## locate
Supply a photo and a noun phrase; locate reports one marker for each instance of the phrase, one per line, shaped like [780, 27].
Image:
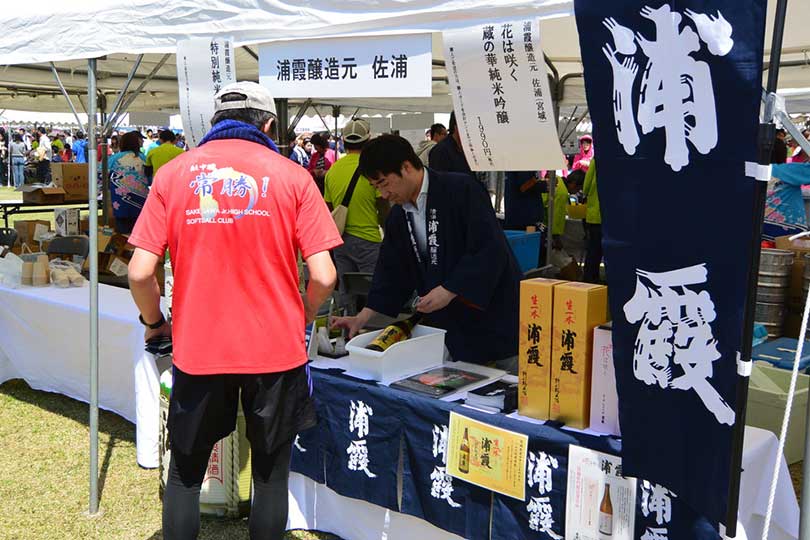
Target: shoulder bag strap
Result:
[350, 189]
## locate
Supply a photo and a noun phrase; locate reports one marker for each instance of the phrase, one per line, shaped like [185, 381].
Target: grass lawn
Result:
[44, 488]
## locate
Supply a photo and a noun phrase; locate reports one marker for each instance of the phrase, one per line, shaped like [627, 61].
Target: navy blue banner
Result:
[428, 492]
[674, 91]
[307, 453]
[361, 441]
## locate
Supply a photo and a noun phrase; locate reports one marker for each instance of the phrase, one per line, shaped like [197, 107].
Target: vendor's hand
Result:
[165, 330]
[352, 324]
[435, 300]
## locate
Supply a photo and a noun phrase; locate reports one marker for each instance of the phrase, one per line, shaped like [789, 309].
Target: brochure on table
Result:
[601, 503]
[490, 374]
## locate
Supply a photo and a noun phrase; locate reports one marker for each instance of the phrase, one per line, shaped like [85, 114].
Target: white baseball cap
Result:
[256, 97]
[356, 130]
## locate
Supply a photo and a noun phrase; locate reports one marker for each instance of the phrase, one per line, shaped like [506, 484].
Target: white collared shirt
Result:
[418, 214]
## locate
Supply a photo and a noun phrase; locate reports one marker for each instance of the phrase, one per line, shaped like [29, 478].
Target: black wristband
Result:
[154, 326]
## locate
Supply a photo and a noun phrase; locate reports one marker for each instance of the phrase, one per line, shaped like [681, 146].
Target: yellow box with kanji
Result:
[578, 309]
[534, 353]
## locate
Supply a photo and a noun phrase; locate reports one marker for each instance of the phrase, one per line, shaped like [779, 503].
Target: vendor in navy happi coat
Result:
[442, 240]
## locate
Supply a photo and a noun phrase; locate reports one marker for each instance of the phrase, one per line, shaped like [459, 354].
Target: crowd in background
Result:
[134, 157]
[38, 147]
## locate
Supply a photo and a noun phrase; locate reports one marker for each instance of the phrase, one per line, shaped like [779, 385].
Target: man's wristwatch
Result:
[154, 326]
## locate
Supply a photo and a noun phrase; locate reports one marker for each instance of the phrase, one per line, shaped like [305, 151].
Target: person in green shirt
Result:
[161, 155]
[58, 143]
[366, 209]
[593, 226]
[565, 188]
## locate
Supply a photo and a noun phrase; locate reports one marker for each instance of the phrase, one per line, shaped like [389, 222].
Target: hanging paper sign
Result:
[674, 92]
[487, 456]
[204, 66]
[601, 503]
[501, 97]
[373, 66]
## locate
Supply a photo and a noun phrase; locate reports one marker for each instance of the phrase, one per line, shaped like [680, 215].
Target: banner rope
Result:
[788, 406]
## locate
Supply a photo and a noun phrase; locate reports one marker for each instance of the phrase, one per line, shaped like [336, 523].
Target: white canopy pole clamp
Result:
[778, 111]
[758, 171]
[744, 368]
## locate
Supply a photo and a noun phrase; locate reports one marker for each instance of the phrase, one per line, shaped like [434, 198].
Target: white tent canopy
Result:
[116, 31]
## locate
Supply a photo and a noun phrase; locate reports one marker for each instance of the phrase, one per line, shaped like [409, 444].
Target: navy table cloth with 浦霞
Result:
[416, 425]
[673, 90]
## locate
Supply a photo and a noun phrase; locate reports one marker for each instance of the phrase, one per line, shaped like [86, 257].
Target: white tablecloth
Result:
[44, 335]
[759, 455]
[315, 506]
[44, 339]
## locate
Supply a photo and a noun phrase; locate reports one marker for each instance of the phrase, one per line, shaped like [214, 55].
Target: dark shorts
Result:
[202, 409]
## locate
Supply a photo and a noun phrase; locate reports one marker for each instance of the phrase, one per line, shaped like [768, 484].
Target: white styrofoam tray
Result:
[422, 351]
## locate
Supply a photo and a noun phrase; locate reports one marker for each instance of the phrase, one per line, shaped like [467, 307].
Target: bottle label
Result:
[464, 461]
[388, 337]
[605, 523]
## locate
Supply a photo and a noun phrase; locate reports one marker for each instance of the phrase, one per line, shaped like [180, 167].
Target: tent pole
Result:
[106, 211]
[552, 180]
[283, 133]
[123, 91]
[8, 154]
[300, 114]
[64, 93]
[767, 132]
[135, 93]
[93, 223]
[336, 113]
[322, 120]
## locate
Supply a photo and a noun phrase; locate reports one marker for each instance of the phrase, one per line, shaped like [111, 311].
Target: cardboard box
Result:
[118, 266]
[767, 397]
[604, 398]
[72, 177]
[534, 346]
[39, 194]
[29, 230]
[800, 247]
[66, 221]
[105, 235]
[578, 309]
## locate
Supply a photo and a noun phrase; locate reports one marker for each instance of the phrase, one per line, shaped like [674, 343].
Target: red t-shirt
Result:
[234, 214]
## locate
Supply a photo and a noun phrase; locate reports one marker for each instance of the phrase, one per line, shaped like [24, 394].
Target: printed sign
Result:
[374, 66]
[204, 66]
[487, 456]
[501, 97]
[600, 503]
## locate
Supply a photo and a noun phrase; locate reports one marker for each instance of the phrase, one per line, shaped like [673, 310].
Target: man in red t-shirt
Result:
[234, 213]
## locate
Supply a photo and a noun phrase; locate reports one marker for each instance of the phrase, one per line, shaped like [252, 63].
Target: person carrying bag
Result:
[341, 211]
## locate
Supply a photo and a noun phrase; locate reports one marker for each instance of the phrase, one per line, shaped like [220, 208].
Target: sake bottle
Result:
[606, 514]
[464, 454]
[399, 331]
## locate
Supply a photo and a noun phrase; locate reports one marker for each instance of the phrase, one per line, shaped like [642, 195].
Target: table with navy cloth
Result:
[398, 481]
